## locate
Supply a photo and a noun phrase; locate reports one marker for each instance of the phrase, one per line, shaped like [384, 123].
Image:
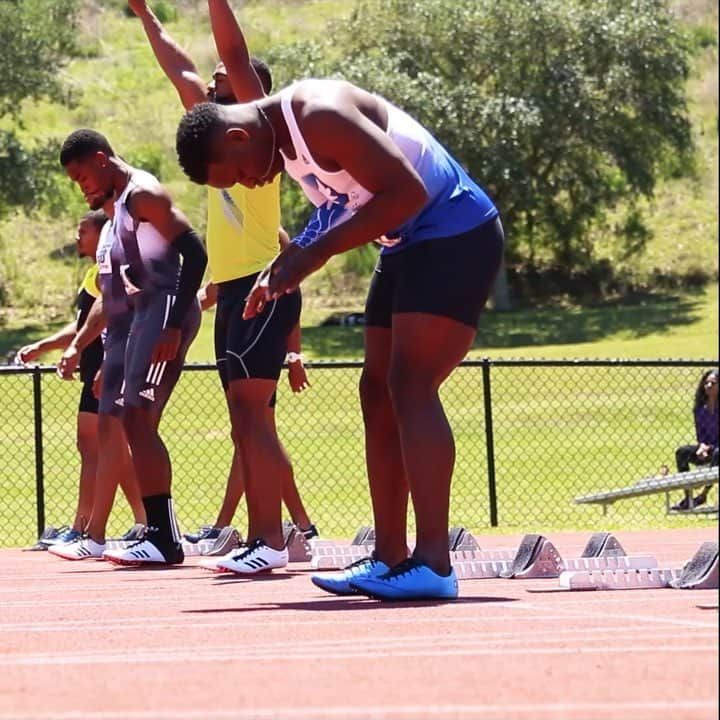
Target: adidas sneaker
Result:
[151, 550]
[82, 549]
[255, 558]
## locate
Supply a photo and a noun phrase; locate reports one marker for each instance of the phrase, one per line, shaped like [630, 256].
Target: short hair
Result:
[194, 138]
[97, 217]
[263, 72]
[81, 143]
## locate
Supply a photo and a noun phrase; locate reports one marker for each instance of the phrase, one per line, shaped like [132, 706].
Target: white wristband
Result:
[293, 357]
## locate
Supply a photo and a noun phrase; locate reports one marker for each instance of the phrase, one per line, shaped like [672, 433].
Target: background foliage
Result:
[597, 208]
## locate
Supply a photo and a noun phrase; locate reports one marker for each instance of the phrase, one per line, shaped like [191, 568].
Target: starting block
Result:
[329, 555]
[537, 557]
[700, 573]
[297, 546]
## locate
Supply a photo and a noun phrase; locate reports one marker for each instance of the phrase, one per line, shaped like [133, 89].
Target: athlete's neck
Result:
[121, 175]
[273, 110]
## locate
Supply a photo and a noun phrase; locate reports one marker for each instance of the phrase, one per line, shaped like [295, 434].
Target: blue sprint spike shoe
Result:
[410, 580]
[338, 583]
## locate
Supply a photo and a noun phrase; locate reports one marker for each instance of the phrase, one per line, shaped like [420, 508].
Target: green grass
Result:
[559, 432]
[122, 91]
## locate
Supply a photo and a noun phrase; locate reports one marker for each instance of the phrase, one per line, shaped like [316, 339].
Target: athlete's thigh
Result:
[169, 373]
[113, 372]
[378, 350]
[427, 348]
[450, 277]
[256, 348]
[88, 402]
[142, 376]
[222, 315]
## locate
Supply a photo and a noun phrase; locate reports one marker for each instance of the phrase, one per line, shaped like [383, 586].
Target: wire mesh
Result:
[530, 437]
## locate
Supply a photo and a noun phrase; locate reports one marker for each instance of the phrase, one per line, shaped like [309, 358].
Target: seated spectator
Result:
[705, 450]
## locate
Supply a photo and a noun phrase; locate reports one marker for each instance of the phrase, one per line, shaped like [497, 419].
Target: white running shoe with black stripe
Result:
[257, 557]
[147, 552]
[83, 549]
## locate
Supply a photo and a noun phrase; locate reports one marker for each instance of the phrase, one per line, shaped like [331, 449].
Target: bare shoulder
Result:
[321, 105]
[148, 197]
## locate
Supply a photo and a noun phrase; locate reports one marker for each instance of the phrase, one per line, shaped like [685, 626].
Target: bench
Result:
[648, 486]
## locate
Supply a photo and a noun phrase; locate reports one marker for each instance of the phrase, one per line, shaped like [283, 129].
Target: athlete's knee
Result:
[235, 437]
[248, 415]
[86, 442]
[374, 390]
[408, 388]
[137, 423]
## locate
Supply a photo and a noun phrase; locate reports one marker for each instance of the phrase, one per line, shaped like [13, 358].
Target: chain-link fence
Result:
[530, 436]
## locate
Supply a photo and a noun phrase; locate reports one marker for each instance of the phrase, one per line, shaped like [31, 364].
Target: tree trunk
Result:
[501, 292]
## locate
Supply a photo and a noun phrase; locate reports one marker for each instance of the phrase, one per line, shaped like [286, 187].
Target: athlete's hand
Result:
[297, 377]
[703, 451]
[291, 267]
[97, 384]
[68, 362]
[167, 345]
[28, 353]
[258, 297]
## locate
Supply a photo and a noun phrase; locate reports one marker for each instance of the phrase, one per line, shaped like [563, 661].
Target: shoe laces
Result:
[249, 549]
[143, 536]
[406, 567]
[362, 562]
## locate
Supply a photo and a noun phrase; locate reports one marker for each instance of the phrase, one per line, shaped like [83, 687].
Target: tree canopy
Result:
[561, 108]
[36, 39]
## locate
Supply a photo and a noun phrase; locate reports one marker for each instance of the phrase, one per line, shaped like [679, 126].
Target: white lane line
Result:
[243, 654]
[669, 708]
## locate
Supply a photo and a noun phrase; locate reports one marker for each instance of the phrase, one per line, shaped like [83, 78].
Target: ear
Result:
[101, 159]
[237, 135]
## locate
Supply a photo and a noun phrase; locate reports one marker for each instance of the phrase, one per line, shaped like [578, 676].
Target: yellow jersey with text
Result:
[242, 230]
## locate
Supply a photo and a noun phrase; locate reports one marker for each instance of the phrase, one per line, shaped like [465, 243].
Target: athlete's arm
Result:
[153, 205]
[174, 61]
[283, 238]
[58, 341]
[207, 296]
[341, 137]
[93, 326]
[297, 377]
[233, 51]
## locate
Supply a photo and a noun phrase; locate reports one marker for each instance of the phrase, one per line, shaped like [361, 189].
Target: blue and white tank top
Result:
[455, 203]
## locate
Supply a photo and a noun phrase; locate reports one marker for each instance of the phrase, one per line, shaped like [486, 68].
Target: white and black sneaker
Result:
[151, 550]
[84, 548]
[257, 557]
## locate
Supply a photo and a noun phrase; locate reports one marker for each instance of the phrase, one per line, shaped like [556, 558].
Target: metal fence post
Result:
[39, 467]
[489, 442]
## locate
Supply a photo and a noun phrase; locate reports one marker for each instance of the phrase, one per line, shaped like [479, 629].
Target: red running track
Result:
[85, 640]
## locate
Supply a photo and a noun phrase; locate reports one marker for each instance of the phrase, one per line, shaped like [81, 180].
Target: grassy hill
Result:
[122, 92]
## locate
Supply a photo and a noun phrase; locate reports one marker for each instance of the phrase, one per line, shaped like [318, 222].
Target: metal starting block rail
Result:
[700, 573]
[536, 557]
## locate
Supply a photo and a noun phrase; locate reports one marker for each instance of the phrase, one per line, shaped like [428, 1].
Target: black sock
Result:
[161, 515]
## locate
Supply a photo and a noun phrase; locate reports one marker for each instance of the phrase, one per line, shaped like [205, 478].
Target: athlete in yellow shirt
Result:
[242, 237]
